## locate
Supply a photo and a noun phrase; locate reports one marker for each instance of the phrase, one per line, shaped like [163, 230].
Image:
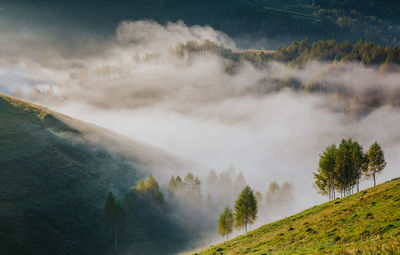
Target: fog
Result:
[136, 85]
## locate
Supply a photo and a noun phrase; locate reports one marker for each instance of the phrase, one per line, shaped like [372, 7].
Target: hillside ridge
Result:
[367, 222]
[55, 174]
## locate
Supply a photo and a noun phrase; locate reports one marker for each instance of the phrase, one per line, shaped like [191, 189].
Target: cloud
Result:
[137, 86]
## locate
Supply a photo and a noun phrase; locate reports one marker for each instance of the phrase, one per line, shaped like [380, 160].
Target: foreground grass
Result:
[364, 223]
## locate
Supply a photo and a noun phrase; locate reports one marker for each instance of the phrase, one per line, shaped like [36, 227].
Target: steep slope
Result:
[364, 223]
[55, 173]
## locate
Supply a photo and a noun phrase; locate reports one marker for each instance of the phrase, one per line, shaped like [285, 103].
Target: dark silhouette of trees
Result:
[115, 214]
[108, 207]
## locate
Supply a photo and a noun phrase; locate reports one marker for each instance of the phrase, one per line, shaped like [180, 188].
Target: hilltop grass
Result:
[367, 222]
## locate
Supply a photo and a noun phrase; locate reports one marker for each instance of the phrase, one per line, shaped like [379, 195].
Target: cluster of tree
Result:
[115, 214]
[298, 53]
[279, 195]
[122, 211]
[245, 213]
[278, 200]
[223, 187]
[369, 53]
[374, 7]
[209, 194]
[188, 189]
[341, 168]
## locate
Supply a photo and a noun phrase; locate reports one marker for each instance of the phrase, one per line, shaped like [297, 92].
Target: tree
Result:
[151, 186]
[130, 200]
[325, 176]
[340, 168]
[226, 222]
[152, 190]
[258, 196]
[196, 190]
[348, 162]
[141, 186]
[375, 161]
[245, 208]
[359, 159]
[108, 208]
[212, 179]
[189, 179]
[172, 187]
[118, 218]
[192, 188]
[240, 182]
[115, 214]
[272, 193]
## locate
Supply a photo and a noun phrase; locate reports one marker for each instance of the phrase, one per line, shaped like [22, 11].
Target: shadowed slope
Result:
[55, 173]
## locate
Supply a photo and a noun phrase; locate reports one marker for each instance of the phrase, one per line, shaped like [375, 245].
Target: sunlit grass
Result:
[364, 223]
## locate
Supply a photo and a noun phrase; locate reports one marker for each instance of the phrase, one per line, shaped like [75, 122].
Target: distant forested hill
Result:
[250, 21]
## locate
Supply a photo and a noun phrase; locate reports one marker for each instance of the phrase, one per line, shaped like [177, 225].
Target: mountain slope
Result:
[248, 21]
[364, 223]
[55, 173]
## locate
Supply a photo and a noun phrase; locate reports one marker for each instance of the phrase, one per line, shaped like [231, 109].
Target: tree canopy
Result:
[245, 208]
[341, 168]
[375, 161]
[226, 222]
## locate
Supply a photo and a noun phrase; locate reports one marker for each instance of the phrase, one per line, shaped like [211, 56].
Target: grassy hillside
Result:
[55, 173]
[364, 223]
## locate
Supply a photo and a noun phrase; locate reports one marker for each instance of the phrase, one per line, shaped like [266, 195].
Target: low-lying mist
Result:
[137, 85]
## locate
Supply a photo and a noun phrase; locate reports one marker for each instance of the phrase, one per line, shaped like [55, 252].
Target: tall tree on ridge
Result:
[375, 161]
[325, 176]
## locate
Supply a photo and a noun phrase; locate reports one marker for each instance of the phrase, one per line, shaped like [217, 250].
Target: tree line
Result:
[298, 53]
[341, 167]
[122, 211]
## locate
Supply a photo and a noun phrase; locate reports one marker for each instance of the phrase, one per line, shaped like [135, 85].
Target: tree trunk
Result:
[110, 232]
[374, 179]
[116, 240]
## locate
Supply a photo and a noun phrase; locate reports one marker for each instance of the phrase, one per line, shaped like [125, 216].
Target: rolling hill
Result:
[55, 173]
[253, 23]
[367, 222]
